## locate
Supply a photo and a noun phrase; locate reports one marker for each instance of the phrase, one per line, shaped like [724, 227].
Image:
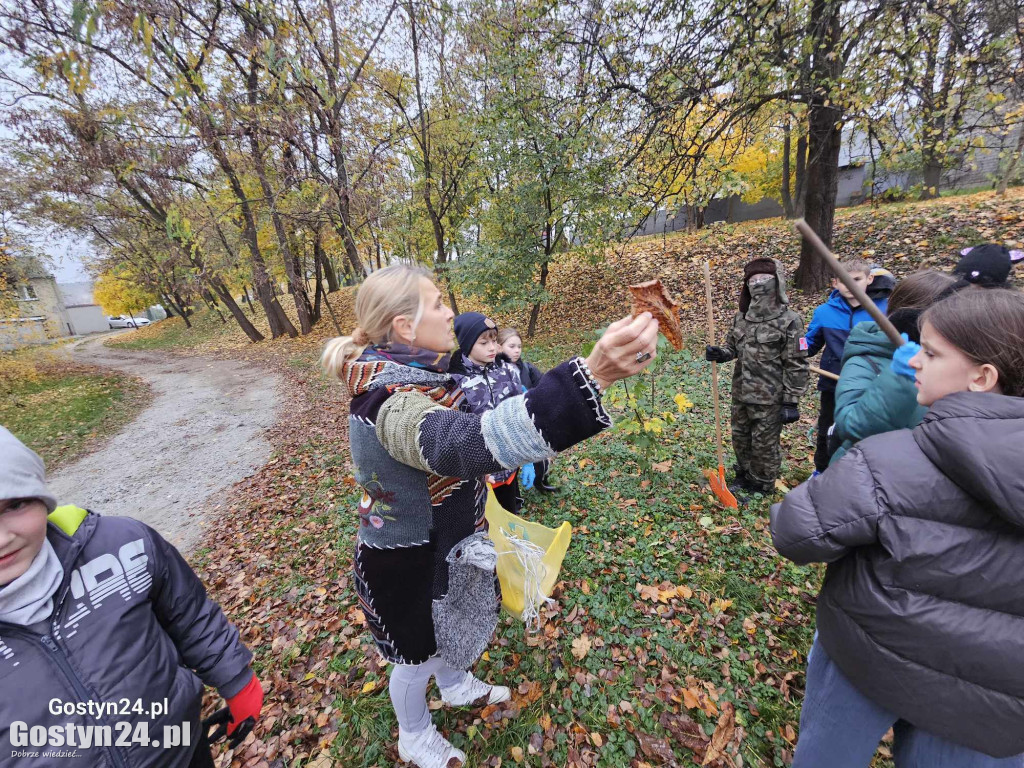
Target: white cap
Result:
[22, 472]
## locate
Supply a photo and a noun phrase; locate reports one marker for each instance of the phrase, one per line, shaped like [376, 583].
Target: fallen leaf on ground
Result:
[581, 646]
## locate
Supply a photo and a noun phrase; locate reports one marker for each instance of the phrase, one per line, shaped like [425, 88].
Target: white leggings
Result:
[408, 689]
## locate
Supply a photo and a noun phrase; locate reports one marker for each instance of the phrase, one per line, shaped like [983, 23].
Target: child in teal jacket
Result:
[870, 397]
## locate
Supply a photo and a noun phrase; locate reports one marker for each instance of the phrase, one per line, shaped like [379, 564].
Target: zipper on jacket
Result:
[490, 389]
[80, 689]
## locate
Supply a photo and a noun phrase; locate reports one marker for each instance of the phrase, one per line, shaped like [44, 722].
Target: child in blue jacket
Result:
[830, 328]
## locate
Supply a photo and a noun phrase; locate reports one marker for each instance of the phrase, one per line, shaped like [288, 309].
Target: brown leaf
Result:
[655, 748]
[581, 646]
[647, 592]
[722, 736]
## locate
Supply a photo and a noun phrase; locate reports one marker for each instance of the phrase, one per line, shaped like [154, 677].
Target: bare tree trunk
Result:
[695, 217]
[321, 257]
[822, 188]
[211, 302]
[787, 197]
[1011, 166]
[334, 317]
[177, 309]
[186, 308]
[295, 280]
[932, 177]
[319, 289]
[244, 323]
[535, 311]
[279, 322]
[825, 136]
[800, 192]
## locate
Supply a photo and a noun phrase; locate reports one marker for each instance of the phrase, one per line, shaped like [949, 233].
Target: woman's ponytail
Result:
[340, 350]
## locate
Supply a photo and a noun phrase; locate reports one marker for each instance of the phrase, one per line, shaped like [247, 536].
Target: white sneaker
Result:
[429, 749]
[473, 692]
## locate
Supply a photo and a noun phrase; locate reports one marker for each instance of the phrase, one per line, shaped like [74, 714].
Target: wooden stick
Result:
[844, 277]
[826, 374]
[714, 365]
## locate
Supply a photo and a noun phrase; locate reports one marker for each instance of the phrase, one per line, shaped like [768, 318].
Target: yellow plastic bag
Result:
[529, 558]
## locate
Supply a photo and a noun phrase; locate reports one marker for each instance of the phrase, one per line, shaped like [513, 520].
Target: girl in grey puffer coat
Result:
[921, 616]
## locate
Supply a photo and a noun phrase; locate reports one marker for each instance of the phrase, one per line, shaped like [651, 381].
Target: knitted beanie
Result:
[987, 265]
[469, 326]
[22, 473]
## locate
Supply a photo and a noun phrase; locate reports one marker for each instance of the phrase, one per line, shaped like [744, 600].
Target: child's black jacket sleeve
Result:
[209, 644]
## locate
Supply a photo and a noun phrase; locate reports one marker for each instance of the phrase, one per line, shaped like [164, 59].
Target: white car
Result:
[126, 321]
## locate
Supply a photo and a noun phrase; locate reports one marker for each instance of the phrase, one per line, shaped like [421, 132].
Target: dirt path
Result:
[204, 431]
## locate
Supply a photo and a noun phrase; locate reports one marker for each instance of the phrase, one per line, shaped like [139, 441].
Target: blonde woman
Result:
[421, 459]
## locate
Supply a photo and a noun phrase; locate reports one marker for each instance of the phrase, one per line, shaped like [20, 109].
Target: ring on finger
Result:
[642, 357]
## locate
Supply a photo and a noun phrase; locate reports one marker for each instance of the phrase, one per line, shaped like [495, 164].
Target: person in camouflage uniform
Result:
[767, 343]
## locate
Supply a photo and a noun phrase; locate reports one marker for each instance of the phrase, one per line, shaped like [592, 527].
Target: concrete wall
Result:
[87, 318]
[855, 181]
[20, 332]
[48, 304]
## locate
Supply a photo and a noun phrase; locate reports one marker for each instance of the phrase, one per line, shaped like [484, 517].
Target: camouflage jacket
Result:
[485, 386]
[771, 368]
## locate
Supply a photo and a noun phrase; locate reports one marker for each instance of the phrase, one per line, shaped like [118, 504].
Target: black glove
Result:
[716, 354]
[221, 718]
[790, 413]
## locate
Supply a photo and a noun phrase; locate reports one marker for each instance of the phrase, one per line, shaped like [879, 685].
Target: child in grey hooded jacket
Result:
[98, 611]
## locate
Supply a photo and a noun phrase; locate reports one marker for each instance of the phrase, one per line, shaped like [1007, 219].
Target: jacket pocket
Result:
[766, 343]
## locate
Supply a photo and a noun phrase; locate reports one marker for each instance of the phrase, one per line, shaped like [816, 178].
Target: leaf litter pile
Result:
[678, 636]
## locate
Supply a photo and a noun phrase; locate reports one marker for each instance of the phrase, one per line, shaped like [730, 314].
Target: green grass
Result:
[172, 333]
[60, 411]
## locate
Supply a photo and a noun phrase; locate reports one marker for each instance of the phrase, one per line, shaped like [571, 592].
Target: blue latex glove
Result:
[527, 475]
[900, 364]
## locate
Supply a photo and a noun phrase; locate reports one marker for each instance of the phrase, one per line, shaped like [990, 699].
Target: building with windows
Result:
[45, 311]
[39, 315]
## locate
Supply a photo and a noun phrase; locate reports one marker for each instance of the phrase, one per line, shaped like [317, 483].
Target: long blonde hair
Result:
[383, 296]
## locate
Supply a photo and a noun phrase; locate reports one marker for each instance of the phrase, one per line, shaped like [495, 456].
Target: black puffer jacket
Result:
[529, 373]
[131, 623]
[923, 603]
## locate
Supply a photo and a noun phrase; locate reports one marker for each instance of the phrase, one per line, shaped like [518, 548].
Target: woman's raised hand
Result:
[626, 348]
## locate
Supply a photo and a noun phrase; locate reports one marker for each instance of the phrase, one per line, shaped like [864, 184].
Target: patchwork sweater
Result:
[421, 458]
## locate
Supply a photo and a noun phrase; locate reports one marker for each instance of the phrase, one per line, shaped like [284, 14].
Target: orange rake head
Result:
[721, 490]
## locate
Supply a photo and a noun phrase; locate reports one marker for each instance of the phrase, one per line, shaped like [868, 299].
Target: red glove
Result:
[245, 704]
